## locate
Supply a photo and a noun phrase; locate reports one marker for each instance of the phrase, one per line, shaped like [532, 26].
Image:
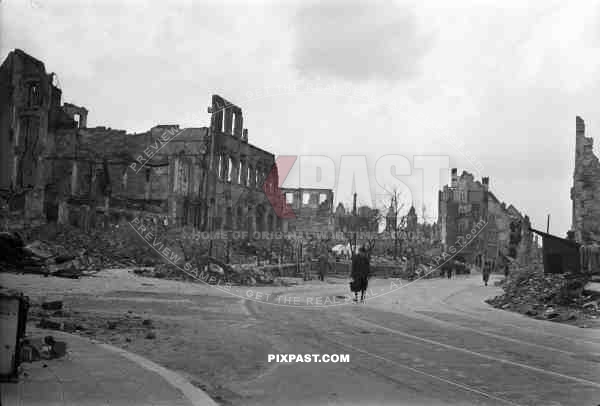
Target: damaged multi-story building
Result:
[30, 112]
[313, 210]
[54, 167]
[585, 193]
[477, 227]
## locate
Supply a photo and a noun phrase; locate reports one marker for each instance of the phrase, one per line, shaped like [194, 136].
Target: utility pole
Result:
[354, 213]
[548, 225]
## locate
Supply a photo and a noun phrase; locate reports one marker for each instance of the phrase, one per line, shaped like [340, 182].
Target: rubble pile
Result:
[46, 348]
[253, 275]
[56, 316]
[559, 297]
[69, 252]
[98, 248]
[218, 272]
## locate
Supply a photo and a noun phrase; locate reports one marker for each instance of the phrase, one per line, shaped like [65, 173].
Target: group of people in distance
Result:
[361, 272]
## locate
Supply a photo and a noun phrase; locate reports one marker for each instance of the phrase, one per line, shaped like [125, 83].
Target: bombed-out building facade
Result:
[585, 193]
[476, 226]
[53, 167]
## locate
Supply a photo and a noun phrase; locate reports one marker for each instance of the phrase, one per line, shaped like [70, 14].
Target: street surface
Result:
[432, 342]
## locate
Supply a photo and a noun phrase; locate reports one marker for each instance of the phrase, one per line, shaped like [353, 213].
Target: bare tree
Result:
[424, 213]
[373, 222]
[396, 220]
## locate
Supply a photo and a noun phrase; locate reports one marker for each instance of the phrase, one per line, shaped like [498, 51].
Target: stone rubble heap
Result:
[554, 297]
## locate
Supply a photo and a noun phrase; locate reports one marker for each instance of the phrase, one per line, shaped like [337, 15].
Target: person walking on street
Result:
[487, 270]
[324, 266]
[361, 270]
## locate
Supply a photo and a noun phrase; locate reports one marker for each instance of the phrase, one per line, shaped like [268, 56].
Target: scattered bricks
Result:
[60, 313]
[112, 325]
[63, 258]
[147, 323]
[69, 327]
[49, 324]
[59, 349]
[28, 354]
[55, 305]
[550, 314]
[151, 335]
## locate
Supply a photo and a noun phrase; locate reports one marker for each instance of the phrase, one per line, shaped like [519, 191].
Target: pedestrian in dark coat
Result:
[361, 270]
[324, 266]
[487, 270]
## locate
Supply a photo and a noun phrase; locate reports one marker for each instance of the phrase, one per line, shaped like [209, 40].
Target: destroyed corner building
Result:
[476, 226]
[585, 193]
[54, 168]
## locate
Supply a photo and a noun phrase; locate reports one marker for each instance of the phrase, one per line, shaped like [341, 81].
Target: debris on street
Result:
[46, 348]
[556, 297]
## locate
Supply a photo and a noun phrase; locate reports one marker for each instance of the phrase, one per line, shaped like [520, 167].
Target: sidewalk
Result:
[98, 374]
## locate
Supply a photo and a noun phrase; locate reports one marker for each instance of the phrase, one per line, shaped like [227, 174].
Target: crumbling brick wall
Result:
[585, 193]
[313, 209]
[88, 176]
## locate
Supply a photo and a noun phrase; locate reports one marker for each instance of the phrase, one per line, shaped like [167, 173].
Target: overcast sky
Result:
[493, 85]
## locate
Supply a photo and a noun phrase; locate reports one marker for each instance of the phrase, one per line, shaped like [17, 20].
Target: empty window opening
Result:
[229, 169]
[34, 95]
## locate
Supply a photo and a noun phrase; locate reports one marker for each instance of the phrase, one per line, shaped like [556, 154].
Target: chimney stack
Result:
[454, 178]
[485, 181]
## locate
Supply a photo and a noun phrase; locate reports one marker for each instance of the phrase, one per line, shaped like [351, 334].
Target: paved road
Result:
[431, 343]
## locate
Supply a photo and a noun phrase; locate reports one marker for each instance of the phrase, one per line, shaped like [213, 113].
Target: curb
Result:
[194, 395]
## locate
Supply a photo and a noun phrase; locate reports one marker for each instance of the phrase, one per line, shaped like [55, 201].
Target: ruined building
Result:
[30, 116]
[53, 167]
[365, 220]
[313, 210]
[585, 193]
[477, 226]
[411, 222]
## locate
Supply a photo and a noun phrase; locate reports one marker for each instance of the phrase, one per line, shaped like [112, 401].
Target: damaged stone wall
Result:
[585, 193]
[239, 177]
[30, 112]
[165, 174]
[210, 178]
[313, 209]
